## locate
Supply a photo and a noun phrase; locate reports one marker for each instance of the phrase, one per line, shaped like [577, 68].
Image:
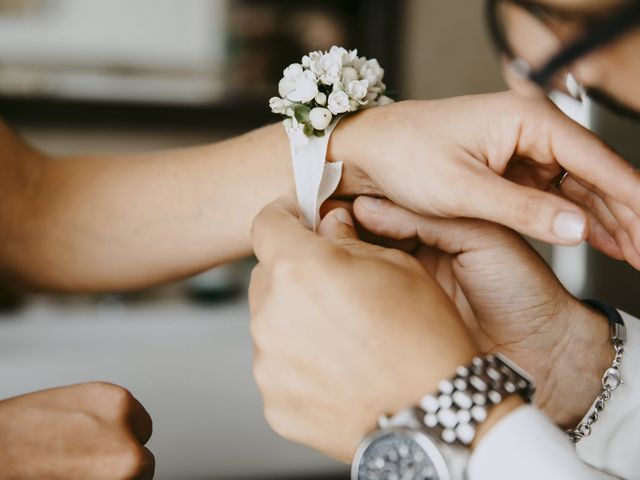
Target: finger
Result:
[540, 215]
[338, 226]
[258, 288]
[406, 245]
[605, 231]
[332, 204]
[629, 230]
[583, 154]
[140, 421]
[278, 233]
[451, 236]
[148, 467]
[600, 239]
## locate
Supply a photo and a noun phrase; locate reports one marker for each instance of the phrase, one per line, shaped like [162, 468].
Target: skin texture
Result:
[613, 69]
[93, 431]
[509, 145]
[327, 361]
[96, 223]
[509, 300]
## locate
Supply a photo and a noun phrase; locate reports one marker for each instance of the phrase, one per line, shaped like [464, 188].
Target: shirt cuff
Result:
[527, 445]
[613, 444]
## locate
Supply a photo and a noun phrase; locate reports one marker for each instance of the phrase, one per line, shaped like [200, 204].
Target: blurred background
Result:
[80, 76]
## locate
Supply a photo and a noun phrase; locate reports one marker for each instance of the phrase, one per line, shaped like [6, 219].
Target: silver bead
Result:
[478, 413]
[460, 384]
[430, 420]
[462, 400]
[478, 383]
[479, 399]
[430, 404]
[447, 418]
[448, 435]
[445, 386]
[464, 416]
[445, 401]
[494, 397]
[465, 433]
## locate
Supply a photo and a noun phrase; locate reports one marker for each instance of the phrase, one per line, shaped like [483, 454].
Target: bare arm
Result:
[121, 222]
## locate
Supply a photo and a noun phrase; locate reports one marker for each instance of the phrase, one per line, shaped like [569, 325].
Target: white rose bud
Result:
[293, 71]
[305, 88]
[349, 74]
[384, 100]
[320, 118]
[285, 87]
[338, 102]
[321, 99]
[278, 105]
[358, 89]
[372, 71]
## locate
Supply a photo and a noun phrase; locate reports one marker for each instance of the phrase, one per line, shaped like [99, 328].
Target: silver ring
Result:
[563, 176]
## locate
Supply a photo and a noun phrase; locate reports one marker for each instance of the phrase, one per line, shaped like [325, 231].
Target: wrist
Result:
[348, 144]
[581, 357]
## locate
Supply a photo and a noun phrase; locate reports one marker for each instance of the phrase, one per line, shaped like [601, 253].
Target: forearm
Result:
[122, 222]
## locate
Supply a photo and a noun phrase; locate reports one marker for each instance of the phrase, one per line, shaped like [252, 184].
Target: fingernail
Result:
[371, 204]
[569, 226]
[343, 216]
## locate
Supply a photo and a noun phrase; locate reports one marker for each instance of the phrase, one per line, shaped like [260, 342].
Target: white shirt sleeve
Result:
[614, 444]
[526, 445]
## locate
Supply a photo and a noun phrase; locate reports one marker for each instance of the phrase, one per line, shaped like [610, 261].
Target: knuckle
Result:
[132, 462]
[118, 399]
[275, 421]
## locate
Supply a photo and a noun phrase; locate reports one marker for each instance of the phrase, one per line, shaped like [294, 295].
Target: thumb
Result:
[338, 226]
[453, 236]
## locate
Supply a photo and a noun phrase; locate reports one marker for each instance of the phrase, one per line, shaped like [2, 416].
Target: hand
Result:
[491, 157]
[344, 331]
[615, 227]
[85, 432]
[510, 301]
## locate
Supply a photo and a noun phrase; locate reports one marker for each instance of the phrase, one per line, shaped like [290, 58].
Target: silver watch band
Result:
[463, 401]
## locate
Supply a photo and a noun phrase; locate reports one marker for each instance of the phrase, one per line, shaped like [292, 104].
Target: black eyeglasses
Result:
[541, 43]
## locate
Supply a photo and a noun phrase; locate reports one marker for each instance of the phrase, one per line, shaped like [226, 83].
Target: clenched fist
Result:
[88, 431]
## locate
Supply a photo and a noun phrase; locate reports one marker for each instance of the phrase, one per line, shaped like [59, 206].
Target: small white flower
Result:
[338, 102]
[278, 105]
[293, 71]
[347, 56]
[353, 105]
[358, 62]
[358, 90]
[306, 61]
[285, 87]
[349, 74]
[305, 88]
[372, 71]
[383, 100]
[326, 66]
[321, 99]
[320, 118]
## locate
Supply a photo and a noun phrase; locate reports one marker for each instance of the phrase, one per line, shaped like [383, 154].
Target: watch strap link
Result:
[463, 401]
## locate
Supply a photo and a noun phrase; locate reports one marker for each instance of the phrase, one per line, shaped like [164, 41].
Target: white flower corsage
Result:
[313, 95]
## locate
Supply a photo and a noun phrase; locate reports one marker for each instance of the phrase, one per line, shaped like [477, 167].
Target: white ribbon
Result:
[315, 178]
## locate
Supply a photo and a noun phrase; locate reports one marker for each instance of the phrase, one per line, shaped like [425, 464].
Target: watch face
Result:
[399, 454]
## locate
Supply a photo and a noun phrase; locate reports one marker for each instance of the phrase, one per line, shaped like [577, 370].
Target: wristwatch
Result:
[431, 441]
